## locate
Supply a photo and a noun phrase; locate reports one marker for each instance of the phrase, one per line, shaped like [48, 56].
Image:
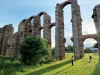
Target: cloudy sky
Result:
[13, 11]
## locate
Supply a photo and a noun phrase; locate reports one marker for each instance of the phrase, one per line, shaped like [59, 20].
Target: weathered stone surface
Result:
[96, 17]
[10, 42]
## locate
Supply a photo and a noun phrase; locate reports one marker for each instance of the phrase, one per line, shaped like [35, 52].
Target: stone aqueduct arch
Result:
[9, 41]
[77, 30]
[84, 37]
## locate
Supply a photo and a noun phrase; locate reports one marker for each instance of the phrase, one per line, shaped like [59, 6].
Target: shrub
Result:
[87, 50]
[33, 50]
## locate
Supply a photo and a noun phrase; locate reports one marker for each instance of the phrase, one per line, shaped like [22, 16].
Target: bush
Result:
[87, 50]
[34, 50]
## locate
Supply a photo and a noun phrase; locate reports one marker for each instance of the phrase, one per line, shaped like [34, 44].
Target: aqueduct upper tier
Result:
[10, 41]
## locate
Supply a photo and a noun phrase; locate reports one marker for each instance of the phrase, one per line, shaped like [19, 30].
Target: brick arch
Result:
[29, 24]
[38, 26]
[62, 5]
[24, 20]
[22, 25]
[31, 17]
[51, 25]
[84, 37]
[40, 14]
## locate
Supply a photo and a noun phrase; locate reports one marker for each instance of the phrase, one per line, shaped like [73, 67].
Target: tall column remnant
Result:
[77, 30]
[96, 17]
[7, 31]
[46, 30]
[49, 32]
[59, 34]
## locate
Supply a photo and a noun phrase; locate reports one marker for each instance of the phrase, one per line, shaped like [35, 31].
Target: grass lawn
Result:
[64, 67]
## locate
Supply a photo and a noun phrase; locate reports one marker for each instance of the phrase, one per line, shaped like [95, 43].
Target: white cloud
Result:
[68, 37]
[89, 29]
[89, 42]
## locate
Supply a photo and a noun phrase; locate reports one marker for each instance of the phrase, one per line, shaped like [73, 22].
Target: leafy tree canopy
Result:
[95, 45]
[69, 48]
[33, 50]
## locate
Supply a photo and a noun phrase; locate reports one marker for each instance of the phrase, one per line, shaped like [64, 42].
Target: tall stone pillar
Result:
[22, 30]
[49, 32]
[30, 25]
[96, 17]
[38, 26]
[59, 34]
[25, 32]
[77, 30]
[11, 51]
[46, 29]
[36, 31]
[16, 45]
[34, 26]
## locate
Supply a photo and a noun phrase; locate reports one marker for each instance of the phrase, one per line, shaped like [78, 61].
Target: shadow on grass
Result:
[63, 70]
[50, 68]
[97, 69]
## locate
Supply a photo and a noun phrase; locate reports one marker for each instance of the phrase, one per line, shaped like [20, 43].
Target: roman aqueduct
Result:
[10, 41]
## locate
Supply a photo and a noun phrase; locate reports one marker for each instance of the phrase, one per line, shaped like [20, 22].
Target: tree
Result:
[95, 45]
[53, 52]
[34, 50]
[87, 50]
[69, 48]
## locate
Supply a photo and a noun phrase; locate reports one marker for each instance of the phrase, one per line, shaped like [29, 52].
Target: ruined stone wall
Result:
[59, 33]
[7, 31]
[46, 29]
[12, 45]
[77, 30]
[96, 17]
[36, 31]
[10, 42]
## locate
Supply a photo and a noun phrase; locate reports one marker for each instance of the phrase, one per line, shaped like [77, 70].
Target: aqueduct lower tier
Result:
[10, 41]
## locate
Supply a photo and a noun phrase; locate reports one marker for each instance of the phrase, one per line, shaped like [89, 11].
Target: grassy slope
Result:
[64, 67]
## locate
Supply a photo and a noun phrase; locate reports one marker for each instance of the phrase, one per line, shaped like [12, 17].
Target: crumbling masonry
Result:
[10, 41]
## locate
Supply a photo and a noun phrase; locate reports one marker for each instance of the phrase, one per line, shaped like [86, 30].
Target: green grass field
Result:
[64, 67]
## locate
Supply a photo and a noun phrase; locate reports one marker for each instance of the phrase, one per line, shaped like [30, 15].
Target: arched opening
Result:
[68, 28]
[31, 19]
[89, 42]
[41, 18]
[88, 45]
[41, 22]
[53, 37]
